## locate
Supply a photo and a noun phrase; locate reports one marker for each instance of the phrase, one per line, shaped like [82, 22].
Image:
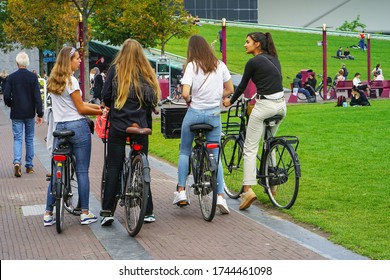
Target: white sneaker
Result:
[222, 205]
[179, 197]
[48, 220]
[87, 219]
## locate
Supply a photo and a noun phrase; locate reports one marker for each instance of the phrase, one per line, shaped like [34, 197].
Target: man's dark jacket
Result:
[22, 94]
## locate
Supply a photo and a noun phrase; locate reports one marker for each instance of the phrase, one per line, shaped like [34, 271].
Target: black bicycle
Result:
[278, 170]
[63, 179]
[330, 87]
[175, 96]
[204, 167]
[133, 182]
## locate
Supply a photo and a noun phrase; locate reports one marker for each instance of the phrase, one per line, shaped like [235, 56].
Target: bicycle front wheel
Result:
[282, 173]
[232, 162]
[136, 194]
[207, 187]
[60, 205]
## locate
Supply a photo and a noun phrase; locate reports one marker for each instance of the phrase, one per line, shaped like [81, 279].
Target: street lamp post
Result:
[368, 59]
[224, 40]
[324, 70]
[81, 51]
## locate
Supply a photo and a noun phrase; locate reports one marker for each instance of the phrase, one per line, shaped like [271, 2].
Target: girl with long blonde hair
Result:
[132, 91]
[69, 112]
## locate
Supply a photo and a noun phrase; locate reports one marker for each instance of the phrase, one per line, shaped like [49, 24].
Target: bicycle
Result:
[330, 87]
[63, 177]
[329, 84]
[133, 182]
[203, 167]
[278, 168]
[175, 95]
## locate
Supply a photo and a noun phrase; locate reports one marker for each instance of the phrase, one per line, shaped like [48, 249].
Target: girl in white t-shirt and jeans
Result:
[210, 82]
[69, 112]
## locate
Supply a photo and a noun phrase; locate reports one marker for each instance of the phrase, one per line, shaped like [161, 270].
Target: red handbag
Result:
[101, 126]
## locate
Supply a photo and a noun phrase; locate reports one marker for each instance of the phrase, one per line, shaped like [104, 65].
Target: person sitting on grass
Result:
[358, 98]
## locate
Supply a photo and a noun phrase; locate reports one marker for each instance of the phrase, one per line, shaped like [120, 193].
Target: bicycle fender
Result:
[146, 169]
[213, 164]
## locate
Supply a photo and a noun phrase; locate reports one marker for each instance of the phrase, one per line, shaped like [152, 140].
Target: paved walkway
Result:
[178, 233]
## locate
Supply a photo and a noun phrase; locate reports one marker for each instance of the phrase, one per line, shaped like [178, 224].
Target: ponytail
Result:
[266, 42]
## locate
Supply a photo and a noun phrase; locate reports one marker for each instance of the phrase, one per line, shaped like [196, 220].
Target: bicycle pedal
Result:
[105, 213]
[183, 203]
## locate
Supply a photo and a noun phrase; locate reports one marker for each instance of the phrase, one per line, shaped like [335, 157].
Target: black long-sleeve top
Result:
[132, 111]
[265, 72]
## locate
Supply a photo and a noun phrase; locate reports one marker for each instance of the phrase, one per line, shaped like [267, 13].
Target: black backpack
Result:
[340, 100]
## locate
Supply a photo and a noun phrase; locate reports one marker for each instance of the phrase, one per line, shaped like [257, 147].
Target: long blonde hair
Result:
[131, 65]
[61, 72]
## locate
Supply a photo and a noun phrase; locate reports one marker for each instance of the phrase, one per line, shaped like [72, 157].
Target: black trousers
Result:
[116, 147]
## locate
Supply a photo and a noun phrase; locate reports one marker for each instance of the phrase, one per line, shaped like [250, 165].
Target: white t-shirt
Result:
[211, 92]
[64, 109]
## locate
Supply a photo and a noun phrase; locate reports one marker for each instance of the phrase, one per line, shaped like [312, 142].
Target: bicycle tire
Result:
[232, 162]
[301, 96]
[281, 171]
[321, 92]
[68, 193]
[207, 186]
[136, 194]
[60, 205]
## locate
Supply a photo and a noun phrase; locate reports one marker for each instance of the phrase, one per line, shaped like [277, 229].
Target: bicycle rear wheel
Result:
[329, 91]
[136, 194]
[282, 173]
[232, 162]
[207, 187]
[60, 205]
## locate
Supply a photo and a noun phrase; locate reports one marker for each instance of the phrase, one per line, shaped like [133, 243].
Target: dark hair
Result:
[266, 42]
[200, 53]
[357, 74]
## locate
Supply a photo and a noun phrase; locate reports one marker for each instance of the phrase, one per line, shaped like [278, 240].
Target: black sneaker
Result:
[107, 221]
[149, 218]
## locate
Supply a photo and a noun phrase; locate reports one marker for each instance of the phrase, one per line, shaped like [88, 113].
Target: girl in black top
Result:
[265, 71]
[131, 90]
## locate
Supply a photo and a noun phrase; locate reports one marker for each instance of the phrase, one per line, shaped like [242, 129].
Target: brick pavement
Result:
[178, 233]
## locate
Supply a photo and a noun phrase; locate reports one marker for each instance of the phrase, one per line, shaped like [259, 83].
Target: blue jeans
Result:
[81, 146]
[194, 116]
[17, 128]
[305, 92]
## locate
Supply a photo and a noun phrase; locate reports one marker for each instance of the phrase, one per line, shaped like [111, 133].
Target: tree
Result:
[352, 26]
[39, 23]
[151, 22]
[6, 44]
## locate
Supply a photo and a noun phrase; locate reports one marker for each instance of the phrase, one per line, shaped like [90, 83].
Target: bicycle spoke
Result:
[232, 164]
[136, 195]
[282, 174]
[207, 188]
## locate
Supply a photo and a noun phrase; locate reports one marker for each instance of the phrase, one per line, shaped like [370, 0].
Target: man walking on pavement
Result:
[22, 94]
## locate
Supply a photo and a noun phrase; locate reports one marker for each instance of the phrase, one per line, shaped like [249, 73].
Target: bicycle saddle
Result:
[63, 133]
[275, 118]
[203, 126]
[138, 130]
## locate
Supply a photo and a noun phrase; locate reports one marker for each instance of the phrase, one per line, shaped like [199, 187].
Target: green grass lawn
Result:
[344, 189]
[344, 152]
[296, 51]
